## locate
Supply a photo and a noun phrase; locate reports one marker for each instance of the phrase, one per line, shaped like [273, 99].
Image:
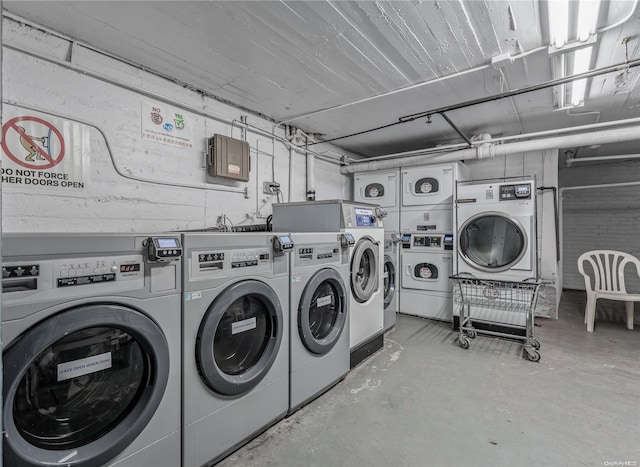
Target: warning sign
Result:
[40, 150]
[166, 125]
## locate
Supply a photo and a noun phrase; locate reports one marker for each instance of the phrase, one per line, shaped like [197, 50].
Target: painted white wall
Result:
[544, 165]
[112, 113]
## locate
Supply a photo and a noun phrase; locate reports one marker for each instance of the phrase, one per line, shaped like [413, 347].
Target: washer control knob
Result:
[114, 268]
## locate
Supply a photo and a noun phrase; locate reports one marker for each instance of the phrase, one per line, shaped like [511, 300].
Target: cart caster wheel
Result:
[463, 342]
[532, 356]
[535, 343]
[471, 334]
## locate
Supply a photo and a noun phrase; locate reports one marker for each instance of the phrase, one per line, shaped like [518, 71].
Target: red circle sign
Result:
[24, 138]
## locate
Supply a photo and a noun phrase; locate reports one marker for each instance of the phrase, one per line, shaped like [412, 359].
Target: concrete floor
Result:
[424, 401]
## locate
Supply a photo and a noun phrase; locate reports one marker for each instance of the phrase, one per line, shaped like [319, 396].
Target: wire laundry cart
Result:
[481, 298]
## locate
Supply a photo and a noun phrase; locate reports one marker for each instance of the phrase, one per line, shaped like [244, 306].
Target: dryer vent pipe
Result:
[487, 150]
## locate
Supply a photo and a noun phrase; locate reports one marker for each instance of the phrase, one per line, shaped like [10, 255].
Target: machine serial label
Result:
[322, 301]
[244, 325]
[84, 280]
[84, 366]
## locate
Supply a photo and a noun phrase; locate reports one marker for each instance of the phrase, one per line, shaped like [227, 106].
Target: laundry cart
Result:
[507, 304]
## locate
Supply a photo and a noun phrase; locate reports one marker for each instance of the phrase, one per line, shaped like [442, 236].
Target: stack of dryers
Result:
[91, 333]
[361, 230]
[383, 188]
[497, 240]
[319, 316]
[235, 340]
[427, 248]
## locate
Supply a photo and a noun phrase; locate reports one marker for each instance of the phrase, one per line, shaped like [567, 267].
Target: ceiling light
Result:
[581, 64]
[588, 11]
[558, 11]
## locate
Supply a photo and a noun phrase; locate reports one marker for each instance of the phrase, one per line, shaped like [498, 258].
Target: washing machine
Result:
[361, 227]
[427, 197]
[381, 188]
[390, 279]
[496, 235]
[426, 263]
[91, 333]
[319, 316]
[235, 364]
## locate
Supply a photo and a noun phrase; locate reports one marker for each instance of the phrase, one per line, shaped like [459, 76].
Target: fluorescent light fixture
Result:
[581, 63]
[588, 11]
[558, 21]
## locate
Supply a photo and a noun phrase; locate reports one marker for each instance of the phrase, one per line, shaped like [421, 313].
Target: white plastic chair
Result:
[608, 274]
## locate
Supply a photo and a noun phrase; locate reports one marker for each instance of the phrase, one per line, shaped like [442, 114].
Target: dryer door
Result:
[389, 280]
[322, 312]
[427, 185]
[239, 337]
[377, 188]
[364, 269]
[80, 386]
[427, 270]
[494, 242]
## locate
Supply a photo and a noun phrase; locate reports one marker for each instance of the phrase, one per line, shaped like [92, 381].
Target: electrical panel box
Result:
[228, 158]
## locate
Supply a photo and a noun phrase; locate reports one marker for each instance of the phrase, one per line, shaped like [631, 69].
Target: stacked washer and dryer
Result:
[383, 188]
[91, 333]
[427, 241]
[359, 228]
[496, 239]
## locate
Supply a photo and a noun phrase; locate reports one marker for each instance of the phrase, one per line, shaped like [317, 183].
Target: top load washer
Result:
[496, 229]
[381, 188]
[91, 327]
[235, 340]
[363, 232]
[319, 316]
[428, 195]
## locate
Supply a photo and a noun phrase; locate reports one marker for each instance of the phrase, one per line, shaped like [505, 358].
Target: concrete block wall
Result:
[129, 183]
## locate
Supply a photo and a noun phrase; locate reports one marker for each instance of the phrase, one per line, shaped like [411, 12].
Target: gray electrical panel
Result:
[228, 158]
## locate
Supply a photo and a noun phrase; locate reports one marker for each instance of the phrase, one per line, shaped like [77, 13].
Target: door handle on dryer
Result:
[408, 269]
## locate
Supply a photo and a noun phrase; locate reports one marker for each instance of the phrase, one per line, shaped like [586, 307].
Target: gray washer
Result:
[92, 343]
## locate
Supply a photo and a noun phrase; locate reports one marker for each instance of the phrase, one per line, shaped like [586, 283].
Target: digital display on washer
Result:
[518, 191]
[130, 267]
[167, 242]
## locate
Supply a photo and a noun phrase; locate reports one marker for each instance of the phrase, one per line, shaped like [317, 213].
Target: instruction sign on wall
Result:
[167, 125]
[40, 150]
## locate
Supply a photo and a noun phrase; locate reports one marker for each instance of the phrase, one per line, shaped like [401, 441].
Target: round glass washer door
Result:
[492, 241]
[364, 269]
[82, 385]
[239, 337]
[322, 312]
[389, 280]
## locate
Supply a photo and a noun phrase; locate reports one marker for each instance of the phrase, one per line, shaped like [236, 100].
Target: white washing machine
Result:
[235, 378]
[91, 333]
[381, 188]
[390, 279]
[427, 197]
[496, 236]
[362, 230]
[426, 263]
[319, 316]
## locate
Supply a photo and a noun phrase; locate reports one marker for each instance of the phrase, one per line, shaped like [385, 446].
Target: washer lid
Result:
[322, 312]
[492, 241]
[81, 385]
[239, 337]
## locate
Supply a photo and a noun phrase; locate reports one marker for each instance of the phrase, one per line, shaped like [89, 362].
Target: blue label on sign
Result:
[168, 127]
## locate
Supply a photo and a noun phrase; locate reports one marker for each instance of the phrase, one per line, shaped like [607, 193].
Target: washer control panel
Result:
[515, 192]
[318, 253]
[211, 263]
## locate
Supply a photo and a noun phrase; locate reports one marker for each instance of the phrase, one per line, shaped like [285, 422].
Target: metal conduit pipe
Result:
[489, 150]
[573, 160]
[311, 168]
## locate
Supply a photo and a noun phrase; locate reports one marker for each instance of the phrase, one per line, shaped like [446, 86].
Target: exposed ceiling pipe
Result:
[490, 150]
[573, 160]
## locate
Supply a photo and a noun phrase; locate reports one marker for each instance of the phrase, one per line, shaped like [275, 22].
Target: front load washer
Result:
[362, 230]
[427, 196]
[496, 236]
[319, 316]
[390, 279]
[91, 327]
[235, 363]
[426, 263]
[381, 188]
